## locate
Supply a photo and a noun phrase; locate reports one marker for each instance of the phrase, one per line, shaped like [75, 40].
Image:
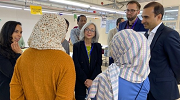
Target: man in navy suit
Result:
[133, 22]
[165, 54]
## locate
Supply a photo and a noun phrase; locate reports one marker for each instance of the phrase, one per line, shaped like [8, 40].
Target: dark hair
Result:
[67, 22]
[118, 21]
[80, 16]
[158, 8]
[135, 2]
[6, 38]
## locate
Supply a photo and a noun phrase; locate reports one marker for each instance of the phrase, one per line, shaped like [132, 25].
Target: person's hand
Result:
[88, 83]
[16, 48]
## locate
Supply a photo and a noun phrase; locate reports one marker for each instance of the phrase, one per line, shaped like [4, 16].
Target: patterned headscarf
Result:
[48, 33]
[131, 52]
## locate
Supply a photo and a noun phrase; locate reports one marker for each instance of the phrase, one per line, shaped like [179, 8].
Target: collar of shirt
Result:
[131, 24]
[155, 29]
[78, 27]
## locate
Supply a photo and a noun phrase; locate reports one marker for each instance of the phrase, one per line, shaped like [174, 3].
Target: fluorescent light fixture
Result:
[92, 16]
[66, 14]
[171, 10]
[103, 9]
[44, 11]
[27, 9]
[71, 3]
[121, 12]
[169, 18]
[10, 7]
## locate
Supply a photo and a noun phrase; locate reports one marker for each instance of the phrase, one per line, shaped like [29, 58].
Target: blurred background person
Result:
[74, 35]
[10, 34]
[44, 71]
[127, 77]
[111, 33]
[65, 43]
[75, 32]
[87, 56]
[21, 43]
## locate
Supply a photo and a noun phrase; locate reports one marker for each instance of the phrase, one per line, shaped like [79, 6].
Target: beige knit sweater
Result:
[43, 75]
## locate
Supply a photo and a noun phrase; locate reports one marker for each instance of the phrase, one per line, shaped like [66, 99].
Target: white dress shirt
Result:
[152, 34]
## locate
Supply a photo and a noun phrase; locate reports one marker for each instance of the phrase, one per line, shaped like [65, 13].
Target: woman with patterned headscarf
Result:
[44, 71]
[127, 77]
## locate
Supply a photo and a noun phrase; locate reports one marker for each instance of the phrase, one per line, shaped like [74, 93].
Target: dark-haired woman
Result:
[10, 34]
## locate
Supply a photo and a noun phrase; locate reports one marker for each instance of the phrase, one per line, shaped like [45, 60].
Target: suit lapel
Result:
[84, 52]
[137, 26]
[146, 35]
[124, 25]
[157, 34]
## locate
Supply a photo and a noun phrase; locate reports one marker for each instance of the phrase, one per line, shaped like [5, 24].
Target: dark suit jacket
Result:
[6, 72]
[84, 69]
[165, 64]
[138, 26]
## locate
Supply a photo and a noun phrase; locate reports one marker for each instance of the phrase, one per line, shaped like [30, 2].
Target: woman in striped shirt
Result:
[127, 78]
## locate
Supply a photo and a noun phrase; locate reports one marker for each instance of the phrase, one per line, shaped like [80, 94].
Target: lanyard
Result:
[132, 25]
[90, 50]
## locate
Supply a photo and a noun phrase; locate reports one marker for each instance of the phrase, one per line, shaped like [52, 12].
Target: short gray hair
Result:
[95, 38]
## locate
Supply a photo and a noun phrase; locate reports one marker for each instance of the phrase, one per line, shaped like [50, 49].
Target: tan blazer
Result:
[111, 33]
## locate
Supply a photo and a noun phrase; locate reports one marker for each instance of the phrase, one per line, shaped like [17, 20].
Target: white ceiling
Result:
[53, 6]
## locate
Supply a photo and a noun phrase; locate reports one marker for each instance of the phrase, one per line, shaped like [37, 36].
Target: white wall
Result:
[28, 21]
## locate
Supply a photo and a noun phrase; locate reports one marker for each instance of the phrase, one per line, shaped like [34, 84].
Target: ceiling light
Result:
[92, 16]
[71, 3]
[66, 13]
[121, 12]
[44, 11]
[10, 7]
[103, 9]
[169, 18]
[171, 10]
[27, 9]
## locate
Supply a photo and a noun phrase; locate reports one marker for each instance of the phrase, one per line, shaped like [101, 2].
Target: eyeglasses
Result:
[130, 10]
[87, 29]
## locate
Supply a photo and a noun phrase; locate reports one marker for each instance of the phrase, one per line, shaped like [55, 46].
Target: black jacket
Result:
[84, 69]
[6, 72]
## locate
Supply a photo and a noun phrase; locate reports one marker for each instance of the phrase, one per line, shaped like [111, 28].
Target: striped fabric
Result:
[105, 85]
[131, 53]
